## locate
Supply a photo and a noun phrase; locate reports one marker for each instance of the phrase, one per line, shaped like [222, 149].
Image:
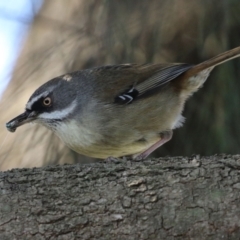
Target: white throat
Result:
[75, 135]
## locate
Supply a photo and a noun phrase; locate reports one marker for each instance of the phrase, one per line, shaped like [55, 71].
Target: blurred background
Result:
[53, 37]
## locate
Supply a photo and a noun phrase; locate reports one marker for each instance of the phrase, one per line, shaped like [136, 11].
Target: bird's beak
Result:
[26, 117]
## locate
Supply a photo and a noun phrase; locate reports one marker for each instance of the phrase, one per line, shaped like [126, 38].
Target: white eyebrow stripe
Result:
[33, 100]
[59, 114]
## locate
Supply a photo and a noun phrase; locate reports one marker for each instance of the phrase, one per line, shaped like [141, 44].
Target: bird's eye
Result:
[47, 101]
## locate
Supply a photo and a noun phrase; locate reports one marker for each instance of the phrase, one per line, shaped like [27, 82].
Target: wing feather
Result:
[158, 79]
[162, 77]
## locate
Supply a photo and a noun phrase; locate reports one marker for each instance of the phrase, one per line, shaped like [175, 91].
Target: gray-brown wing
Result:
[160, 78]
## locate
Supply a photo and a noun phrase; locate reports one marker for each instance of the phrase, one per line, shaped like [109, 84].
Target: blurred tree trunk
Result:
[168, 198]
[71, 35]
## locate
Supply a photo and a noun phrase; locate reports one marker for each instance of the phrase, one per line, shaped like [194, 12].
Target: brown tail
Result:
[219, 59]
[193, 79]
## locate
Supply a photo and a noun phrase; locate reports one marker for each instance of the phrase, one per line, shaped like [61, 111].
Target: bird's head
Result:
[49, 105]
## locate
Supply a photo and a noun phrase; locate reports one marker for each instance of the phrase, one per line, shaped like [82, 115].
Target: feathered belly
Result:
[90, 143]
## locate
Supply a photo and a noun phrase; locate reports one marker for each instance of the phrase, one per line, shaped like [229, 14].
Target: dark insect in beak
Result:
[18, 121]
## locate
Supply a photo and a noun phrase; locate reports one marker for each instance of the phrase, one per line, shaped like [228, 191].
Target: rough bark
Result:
[166, 198]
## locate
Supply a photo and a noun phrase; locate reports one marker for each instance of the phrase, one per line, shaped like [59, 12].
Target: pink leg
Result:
[165, 137]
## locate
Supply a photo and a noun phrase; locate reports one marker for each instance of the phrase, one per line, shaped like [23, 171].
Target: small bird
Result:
[117, 110]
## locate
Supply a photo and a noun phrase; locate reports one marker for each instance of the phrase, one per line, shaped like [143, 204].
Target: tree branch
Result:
[166, 198]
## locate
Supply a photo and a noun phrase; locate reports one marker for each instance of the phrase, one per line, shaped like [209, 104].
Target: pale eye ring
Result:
[47, 101]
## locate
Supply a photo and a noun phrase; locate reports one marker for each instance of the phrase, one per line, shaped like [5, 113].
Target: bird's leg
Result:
[165, 137]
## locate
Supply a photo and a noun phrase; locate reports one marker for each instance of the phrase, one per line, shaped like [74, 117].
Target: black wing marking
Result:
[162, 77]
[127, 97]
